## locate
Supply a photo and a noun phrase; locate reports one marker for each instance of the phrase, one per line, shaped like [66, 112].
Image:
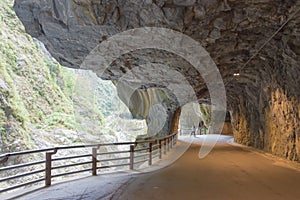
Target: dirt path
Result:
[228, 172]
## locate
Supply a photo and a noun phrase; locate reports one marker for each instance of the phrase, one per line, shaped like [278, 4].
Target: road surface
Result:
[228, 172]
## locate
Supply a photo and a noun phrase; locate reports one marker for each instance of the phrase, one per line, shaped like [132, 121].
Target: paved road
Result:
[228, 172]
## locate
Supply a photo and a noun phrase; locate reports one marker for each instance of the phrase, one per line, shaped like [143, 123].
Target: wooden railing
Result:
[138, 153]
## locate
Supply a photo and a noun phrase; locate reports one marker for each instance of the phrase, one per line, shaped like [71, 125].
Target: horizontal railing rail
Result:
[138, 152]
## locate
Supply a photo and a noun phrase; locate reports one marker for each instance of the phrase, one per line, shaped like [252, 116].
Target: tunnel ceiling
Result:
[231, 31]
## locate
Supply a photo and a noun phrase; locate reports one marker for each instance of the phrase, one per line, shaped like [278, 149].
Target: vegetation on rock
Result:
[37, 94]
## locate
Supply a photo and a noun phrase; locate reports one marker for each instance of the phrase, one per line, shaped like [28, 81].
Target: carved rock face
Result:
[264, 98]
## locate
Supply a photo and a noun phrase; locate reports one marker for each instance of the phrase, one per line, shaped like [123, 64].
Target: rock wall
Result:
[43, 104]
[156, 105]
[272, 126]
[266, 113]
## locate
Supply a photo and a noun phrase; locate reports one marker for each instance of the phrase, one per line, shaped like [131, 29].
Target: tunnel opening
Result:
[93, 98]
[197, 117]
[190, 117]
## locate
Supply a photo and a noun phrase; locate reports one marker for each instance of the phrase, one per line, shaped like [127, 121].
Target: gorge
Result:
[256, 40]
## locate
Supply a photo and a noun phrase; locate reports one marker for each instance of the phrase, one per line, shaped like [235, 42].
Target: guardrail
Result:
[138, 153]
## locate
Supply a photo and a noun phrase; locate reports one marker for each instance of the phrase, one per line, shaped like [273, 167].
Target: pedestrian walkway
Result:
[228, 172]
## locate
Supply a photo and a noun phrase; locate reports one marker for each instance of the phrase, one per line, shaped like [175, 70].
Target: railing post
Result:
[48, 169]
[160, 150]
[131, 156]
[150, 154]
[94, 161]
[173, 140]
[165, 146]
[48, 174]
[168, 144]
[171, 143]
